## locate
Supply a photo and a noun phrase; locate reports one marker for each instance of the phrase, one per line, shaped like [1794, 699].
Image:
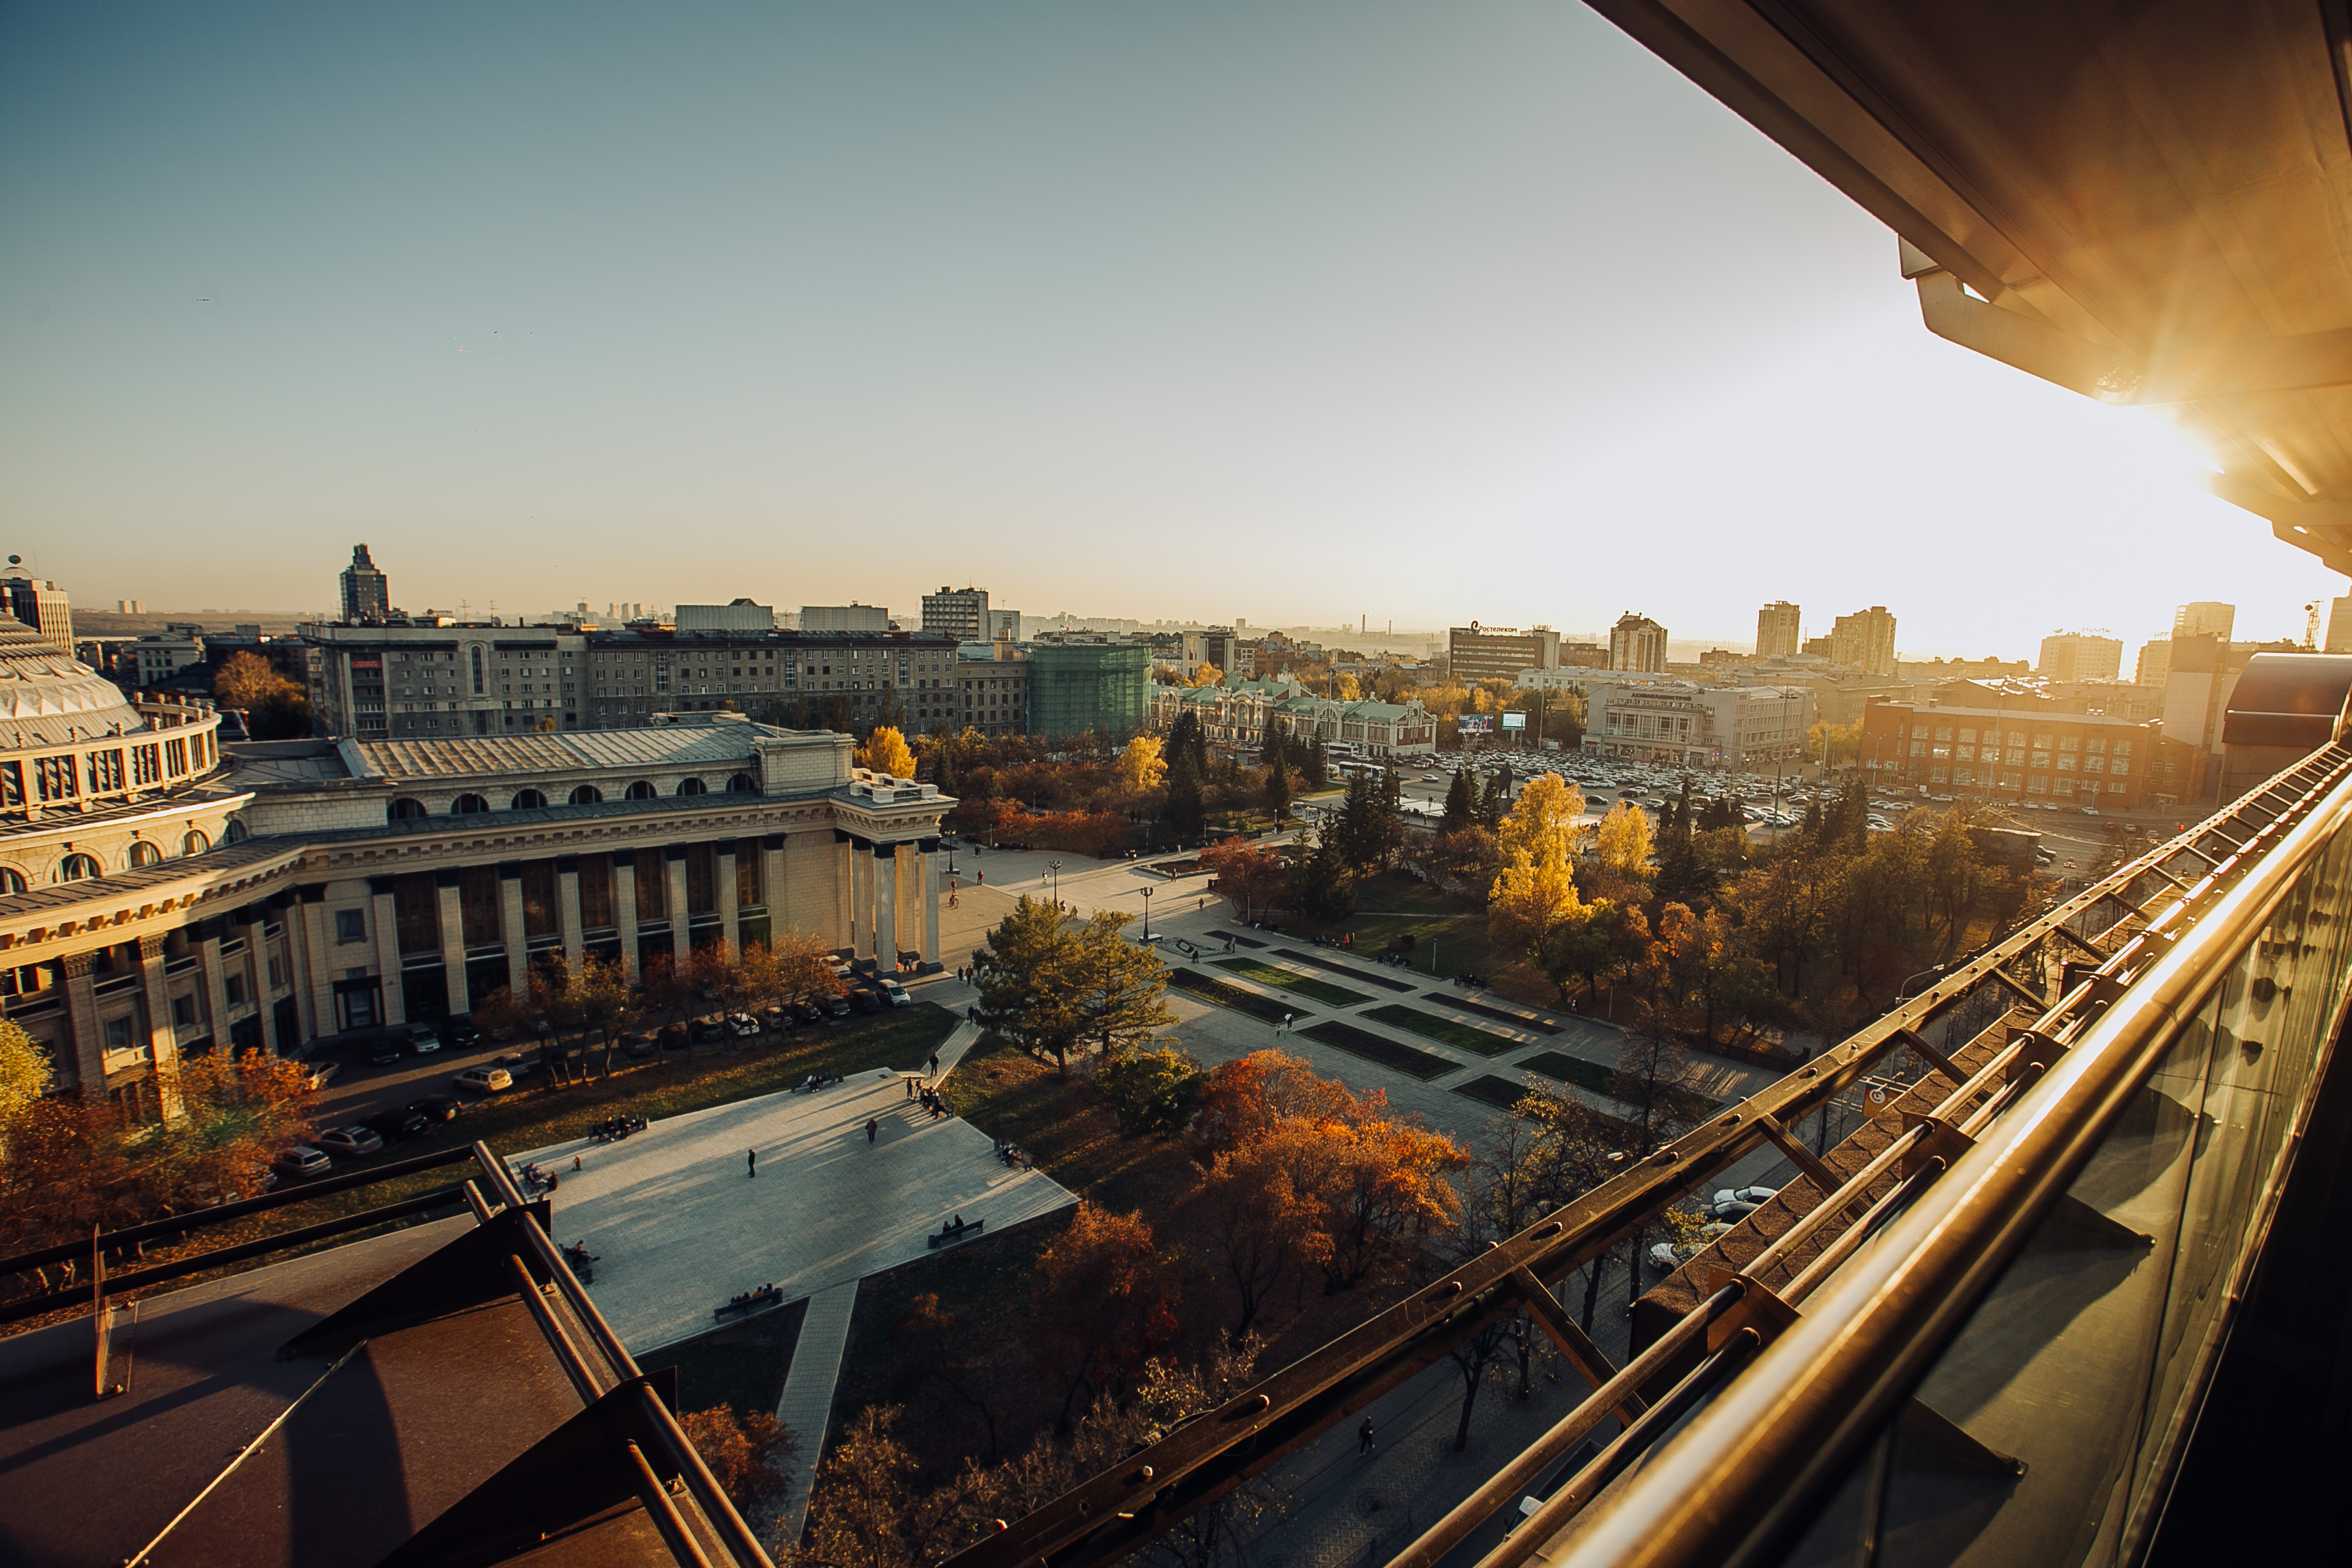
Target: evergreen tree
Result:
[944, 768]
[1461, 811]
[1315, 765]
[1186, 739]
[1322, 887]
[1271, 750]
[1186, 815]
[1496, 803]
[1277, 783]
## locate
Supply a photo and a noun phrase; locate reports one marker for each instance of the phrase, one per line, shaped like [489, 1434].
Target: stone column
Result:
[930, 852]
[673, 863]
[625, 908]
[885, 908]
[250, 924]
[217, 983]
[319, 969]
[90, 1040]
[510, 928]
[161, 1039]
[567, 905]
[730, 924]
[445, 884]
[772, 883]
[843, 897]
[387, 949]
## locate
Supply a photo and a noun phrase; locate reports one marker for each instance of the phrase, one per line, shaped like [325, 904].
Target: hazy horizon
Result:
[1425, 315]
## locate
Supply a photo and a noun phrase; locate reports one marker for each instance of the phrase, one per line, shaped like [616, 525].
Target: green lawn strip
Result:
[1486, 1042]
[1500, 1015]
[1322, 991]
[1498, 1091]
[1603, 1079]
[1388, 1053]
[1228, 996]
[1335, 967]
[522, 1120]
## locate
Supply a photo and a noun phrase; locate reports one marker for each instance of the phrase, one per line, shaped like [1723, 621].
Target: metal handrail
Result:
[1748, 1472]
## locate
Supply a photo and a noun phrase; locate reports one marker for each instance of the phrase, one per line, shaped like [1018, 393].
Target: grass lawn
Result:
[1486, 1042]
[668, 1085]
[1423, 1065]
[1502, 1092]
[1224, 994]
[1322, 991]
[1602, 1080]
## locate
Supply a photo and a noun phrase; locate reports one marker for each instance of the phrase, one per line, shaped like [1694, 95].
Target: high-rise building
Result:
[39, 604]
[2339, 627]
[2080, 656]
[367, 592]
[130, 607]
[960, 613]
[1637, 642]
[1864, 641]
[852, 617]
[2155, 665]
[1477, 653]
[1776, 629]
[2204, 620]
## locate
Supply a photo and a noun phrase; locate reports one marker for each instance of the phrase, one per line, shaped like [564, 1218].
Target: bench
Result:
[950, 1235]
[747, 1305]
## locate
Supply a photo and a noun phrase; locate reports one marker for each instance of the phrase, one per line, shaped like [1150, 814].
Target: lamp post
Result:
[1055, 868]
[1147, 914]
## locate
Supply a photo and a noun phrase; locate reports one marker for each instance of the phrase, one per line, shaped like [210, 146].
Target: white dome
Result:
[47, 699]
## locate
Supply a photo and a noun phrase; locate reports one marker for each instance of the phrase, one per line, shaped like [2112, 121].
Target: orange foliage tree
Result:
[1103, 1292]
[1255, 879]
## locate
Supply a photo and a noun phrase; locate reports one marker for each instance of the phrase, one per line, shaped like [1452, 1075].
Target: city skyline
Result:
[1412, 298]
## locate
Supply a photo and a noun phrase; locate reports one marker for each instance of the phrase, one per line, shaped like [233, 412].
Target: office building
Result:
[850, 617]
[2155, 665]
[1083, 684]
[1005, 625]
[2205, 619]
[1477, 653]
[2338, 636]
[2080, 656]
[991, 688]
[1776, 629]
[958, 613]
[159, 656]
[2010, 753]
[808, 679]
[1638, 643]
[367, 592]
[1689, 724]
[39, 604]
[1864, 641]
[735, 616]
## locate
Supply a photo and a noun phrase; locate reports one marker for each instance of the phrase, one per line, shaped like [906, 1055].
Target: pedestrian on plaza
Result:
[575, 1161]
[939, 1108]
[935, 1064]
[750, 1163]
[1286, 1026]
[910, 1088]
[873, 1129]
[1364, 1436]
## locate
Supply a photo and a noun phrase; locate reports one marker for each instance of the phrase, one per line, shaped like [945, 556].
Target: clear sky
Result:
[1294, 311]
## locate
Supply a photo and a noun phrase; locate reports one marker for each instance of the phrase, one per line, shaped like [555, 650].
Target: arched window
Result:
[194, 843]
[468, 805]
[693, 786]
[743, 784]
[527, 800]
[643, 790]
[237, 833]
[405, 809]
[11, 881]
[587, 795]
[76, 869]
[143, 852]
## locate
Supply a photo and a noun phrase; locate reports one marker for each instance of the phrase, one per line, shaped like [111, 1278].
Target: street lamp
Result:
[1055, 868]
[1147, 914]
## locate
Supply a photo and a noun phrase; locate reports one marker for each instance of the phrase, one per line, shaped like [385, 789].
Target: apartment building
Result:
[2080, 656]
[366, 590]
[2004, 754]
[960, 613]
[1864, 641]
[1638, 643]
[1777, 629]
[1477, 653]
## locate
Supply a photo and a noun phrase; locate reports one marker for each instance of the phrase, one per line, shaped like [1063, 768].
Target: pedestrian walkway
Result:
[808, 1401]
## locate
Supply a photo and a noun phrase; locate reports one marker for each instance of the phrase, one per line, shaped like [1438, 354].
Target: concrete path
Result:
[808, 1401]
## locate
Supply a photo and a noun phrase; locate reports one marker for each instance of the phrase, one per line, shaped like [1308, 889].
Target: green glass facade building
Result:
[1075, 686]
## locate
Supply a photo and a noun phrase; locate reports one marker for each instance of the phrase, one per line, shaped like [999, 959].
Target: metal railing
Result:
[2197, 884]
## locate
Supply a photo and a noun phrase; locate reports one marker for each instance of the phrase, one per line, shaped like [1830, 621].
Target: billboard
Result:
[1514, 720]
[1476, 724]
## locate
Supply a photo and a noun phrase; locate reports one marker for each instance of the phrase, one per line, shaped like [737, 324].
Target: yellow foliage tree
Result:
[1624, 840]
[1208, 675]
[1140, 766]
[1347, 689]
[1542, 823]
[885, 751]
[1534, 897]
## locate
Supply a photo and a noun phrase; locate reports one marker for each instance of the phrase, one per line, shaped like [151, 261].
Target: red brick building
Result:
[2010, 753]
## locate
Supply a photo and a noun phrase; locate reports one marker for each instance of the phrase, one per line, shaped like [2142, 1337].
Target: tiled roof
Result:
[684, 746]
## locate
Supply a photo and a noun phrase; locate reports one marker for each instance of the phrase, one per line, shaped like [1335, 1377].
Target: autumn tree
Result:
[1252, 876]
[1140, 768]
[936, 1347]
[1254, 1207]
[1533, 896]
[1208, 675]
[1577, 1149]
[749, 1456]
[26, 1074]
[1623, 842]
[1244, 1100]
[1155, 1090]
[1384, 1183]
[861, 1513]
[275, 708]
[1103, 1295]
[885, 751]
[592, 998]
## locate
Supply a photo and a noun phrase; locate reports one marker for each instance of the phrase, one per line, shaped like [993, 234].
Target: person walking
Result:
[750, 1163]
[1284, 1033]
[1364, 1436]
[872, 1128]
[910, 1087]
[935, 1064]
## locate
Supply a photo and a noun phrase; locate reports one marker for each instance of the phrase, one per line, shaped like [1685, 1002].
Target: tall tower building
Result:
[1776, 629]
[367, 592]
[1637, 642]
[2155, 665]
[2080, 656]
[960, 613]
[39, 604]
[2204, 620]
[1866, 640]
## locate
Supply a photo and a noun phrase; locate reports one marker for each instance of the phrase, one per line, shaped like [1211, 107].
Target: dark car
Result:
[866, 1000]
[638, 1046]
[710, 1031]
[776, 1018]
[521, 1064]
[673, 1038]
[391, 1125]
[458, 1033]
[439, 1107]
[807, 1011]
[384, 1047]
[837, 1007]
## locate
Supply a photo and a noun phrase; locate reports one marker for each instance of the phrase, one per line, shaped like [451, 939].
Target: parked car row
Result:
[306, 1162]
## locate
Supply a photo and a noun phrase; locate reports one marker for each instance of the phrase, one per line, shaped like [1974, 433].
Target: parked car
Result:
[637, 1045]
[458, 1033]
[439, 1107]
[710, 1031]
[896, 995]
[384, 1047]
[321, 1074]
[837, 1007]
[391, 1125]
[777, 1018]
[424, 1038]
[485, 1080]
[743, 1025]
[808, 1011]
[521, 1064]
[349, 1143]
[866, 1000]
[673, 1038]
[301, 1162]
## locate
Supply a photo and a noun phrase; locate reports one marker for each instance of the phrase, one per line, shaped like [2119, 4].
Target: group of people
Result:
[613, 1129]
[933, 1101]
[535, 1180]
[1469, 981]
[817, 1080]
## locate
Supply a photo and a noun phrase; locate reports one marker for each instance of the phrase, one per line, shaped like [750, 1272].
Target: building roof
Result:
[681, 745]
[49, 699]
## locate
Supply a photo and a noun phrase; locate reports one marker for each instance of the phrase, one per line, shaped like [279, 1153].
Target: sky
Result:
[1295, 312]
